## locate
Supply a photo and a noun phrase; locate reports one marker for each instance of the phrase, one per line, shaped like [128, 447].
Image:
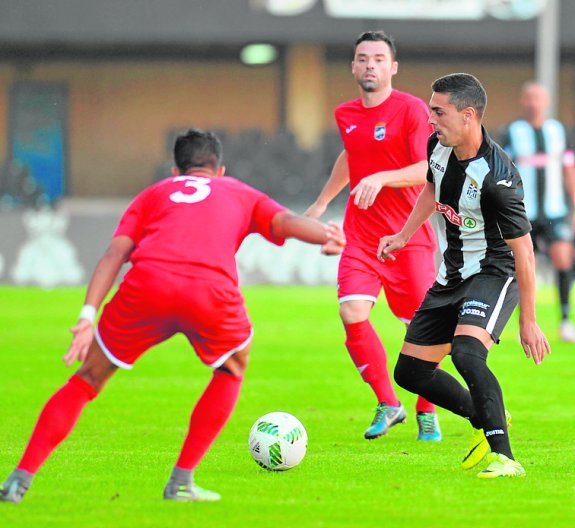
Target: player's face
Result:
[534, 100]
[446, 120]
[373, 66]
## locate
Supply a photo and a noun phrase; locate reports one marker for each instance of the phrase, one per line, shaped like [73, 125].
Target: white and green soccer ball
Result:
[278, 441]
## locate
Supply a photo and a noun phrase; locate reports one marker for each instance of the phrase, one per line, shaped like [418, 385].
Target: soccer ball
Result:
[278, 441]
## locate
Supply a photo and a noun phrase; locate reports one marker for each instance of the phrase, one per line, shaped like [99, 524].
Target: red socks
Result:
[368, 354]
[422, 405]
[209, 417]
[55, 422]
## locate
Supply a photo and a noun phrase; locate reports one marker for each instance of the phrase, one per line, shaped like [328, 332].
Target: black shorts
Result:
[546, 232]
[486, 301]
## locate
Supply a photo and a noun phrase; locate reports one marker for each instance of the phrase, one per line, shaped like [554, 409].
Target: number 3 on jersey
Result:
[200, 185]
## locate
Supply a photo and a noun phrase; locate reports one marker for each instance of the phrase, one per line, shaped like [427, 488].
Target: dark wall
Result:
[212, 22]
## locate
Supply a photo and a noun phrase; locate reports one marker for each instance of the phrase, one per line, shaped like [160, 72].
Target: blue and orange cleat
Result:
[386, 416]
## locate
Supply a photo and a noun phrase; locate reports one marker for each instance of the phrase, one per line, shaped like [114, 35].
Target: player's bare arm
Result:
[102, 280]
[366, 191]
[534, 342]
[338, 179]
[290, 225]
[424, 208]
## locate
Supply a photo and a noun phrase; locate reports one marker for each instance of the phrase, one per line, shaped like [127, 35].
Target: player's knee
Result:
[93, 380]
[236, 364]
[96, 374]
[354, 311]
[467, 353]
[413, 374]
[235, 372]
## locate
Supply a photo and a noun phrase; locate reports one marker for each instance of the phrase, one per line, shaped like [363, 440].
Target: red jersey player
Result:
[181, 235]
[385, 135]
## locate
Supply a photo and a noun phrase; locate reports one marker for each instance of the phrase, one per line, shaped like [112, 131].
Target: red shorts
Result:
[405, 280]
[151, 305]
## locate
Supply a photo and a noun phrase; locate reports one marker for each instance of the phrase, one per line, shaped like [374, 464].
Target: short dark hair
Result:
[464, 90]
[197, 148]
[375, 36]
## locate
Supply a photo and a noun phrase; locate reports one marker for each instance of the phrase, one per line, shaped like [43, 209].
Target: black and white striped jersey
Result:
[541, 155]
[480, 204]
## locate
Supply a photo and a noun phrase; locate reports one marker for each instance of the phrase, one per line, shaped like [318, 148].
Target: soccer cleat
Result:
[501, 466]
[567, 331]
[386, 416]
[13, 489]
[479, 446]
[189, 493]
[428, 425]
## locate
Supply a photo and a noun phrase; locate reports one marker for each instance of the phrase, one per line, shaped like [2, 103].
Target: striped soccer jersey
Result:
[480, 204]
[540, 155]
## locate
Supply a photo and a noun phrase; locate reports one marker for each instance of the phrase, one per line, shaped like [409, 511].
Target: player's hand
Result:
[533, 340]
[315, 210]
[366, 191]
[336, 239]
[389, 244]
[83, 336]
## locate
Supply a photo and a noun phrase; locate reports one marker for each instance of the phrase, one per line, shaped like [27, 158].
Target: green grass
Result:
[111, 470]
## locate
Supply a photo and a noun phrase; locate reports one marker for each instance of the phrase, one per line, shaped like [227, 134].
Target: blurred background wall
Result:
[92, 93]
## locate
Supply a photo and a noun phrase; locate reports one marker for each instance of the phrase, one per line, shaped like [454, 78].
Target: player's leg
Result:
[209, 416]
[469, 353]
[427, 341]
[358, 288]
[561, 253]
[405, 283]
[217, 326]
[484, 313]
[359, 285]
[57, 419]
[366, 349]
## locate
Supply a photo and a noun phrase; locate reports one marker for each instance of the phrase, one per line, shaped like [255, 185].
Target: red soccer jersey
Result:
[194, 225]
[390, 136]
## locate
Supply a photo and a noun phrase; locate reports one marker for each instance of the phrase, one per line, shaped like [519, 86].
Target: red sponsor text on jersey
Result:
[449, 213]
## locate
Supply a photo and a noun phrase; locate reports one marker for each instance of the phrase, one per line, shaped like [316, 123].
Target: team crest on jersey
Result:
[379, 131]
[472, 190]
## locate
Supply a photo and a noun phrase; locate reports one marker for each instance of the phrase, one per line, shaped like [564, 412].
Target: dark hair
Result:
[464, 90]
[197, 148]
[375, 36]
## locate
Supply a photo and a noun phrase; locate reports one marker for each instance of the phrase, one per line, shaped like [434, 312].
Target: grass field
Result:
[112, 469]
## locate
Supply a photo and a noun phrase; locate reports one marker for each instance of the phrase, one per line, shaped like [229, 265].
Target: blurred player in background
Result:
[181, 235]
[384, 133]
[488, 266]
[540, 148]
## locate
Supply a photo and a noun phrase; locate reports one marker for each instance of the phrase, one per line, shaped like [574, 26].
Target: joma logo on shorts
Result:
[473, 311]
[453, 217]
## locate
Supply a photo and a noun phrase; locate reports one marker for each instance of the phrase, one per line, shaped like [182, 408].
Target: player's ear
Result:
[394, 67]
[175, 171]
[468, 114]
[221, 171]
